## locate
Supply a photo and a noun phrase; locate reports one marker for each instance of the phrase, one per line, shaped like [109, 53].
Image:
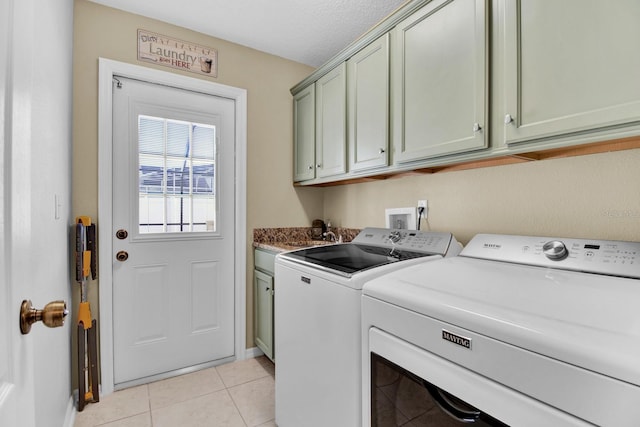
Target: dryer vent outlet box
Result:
[401, 218]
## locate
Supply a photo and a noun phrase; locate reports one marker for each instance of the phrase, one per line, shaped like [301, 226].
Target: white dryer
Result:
[317, 320]
[517, 330]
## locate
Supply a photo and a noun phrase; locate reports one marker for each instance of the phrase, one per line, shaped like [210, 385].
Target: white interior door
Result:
[173, 194]
[17, 395]
[11, 367]
[7, 411]
[16, 353]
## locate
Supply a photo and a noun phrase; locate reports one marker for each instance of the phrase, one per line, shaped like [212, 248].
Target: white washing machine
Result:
[517, 330]
[317, 320]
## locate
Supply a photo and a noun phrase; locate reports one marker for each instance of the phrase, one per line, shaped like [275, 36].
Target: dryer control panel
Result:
[611, 257]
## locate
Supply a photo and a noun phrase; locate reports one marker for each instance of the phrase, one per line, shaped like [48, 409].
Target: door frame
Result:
[107, 70]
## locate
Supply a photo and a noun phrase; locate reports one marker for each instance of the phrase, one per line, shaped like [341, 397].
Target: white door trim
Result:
[107, 70]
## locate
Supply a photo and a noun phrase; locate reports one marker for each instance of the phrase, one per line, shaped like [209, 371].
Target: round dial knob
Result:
[555, 250]
[395, 236]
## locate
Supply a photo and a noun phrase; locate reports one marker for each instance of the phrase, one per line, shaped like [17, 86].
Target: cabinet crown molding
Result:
[371, 35]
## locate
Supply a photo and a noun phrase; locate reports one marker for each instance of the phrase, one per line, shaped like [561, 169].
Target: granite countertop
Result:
[292, 238]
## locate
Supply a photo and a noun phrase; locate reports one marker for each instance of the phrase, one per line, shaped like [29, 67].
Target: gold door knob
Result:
[122, 256]
[52, 315]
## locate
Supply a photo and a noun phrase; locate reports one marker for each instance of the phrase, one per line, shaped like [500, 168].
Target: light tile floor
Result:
[238, 394]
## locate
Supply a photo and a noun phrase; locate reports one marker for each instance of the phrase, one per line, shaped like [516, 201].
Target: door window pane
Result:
[176, 167]
[149, 132]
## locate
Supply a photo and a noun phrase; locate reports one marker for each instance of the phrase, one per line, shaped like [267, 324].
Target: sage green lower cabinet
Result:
[263, 294]
[570, 67]
[263, 291]
[439, 80]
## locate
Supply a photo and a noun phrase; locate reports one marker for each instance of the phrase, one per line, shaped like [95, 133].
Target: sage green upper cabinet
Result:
[439, 80]
[304, 134]
[570, 66]
[368, 106]
[331, 123]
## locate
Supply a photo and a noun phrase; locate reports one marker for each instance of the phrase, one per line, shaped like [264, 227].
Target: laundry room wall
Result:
[592, 196]
[271, 199]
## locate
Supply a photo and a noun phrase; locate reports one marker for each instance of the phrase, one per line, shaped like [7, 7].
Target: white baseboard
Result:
[70, 416]
[252, 352]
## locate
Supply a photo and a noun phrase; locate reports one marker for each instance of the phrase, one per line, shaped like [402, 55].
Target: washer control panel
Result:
[617, 258]
[410, 240]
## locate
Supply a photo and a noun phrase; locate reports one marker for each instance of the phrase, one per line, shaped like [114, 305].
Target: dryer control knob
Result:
[555, 250]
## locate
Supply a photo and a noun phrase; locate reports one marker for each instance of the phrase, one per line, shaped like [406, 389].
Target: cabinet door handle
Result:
[318, 165]
[310, 167]
[508, 119]
[477, 127]
[267, 289]
[381, 151]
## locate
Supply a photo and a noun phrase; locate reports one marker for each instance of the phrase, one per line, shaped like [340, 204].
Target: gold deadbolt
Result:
[52, 315]
[122, 256]
[122, 234]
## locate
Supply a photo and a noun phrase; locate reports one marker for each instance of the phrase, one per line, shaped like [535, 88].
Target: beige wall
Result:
[271, 199]
[594, 196]
[590, 196]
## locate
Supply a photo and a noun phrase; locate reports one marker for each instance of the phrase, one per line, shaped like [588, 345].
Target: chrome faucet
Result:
[331, 236]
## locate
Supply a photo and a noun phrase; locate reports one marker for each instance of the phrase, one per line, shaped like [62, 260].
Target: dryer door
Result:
[400, 395]
[409, 385]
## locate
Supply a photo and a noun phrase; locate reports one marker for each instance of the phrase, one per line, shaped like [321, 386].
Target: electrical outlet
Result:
[422, 205]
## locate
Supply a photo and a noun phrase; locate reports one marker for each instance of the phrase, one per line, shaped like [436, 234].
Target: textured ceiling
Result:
[306, 31]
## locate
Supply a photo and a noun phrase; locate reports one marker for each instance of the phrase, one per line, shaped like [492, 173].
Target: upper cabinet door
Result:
[331, 123]
[439, 88]
[368, 106]
[570, 66]
[304, 134]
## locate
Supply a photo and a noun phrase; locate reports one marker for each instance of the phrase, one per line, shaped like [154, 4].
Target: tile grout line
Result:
[146, 386]
[149, 404]
[149, 410]
[237, 408]
[236, 405]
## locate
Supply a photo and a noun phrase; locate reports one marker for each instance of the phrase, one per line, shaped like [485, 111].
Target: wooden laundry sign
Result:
[174, 53]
